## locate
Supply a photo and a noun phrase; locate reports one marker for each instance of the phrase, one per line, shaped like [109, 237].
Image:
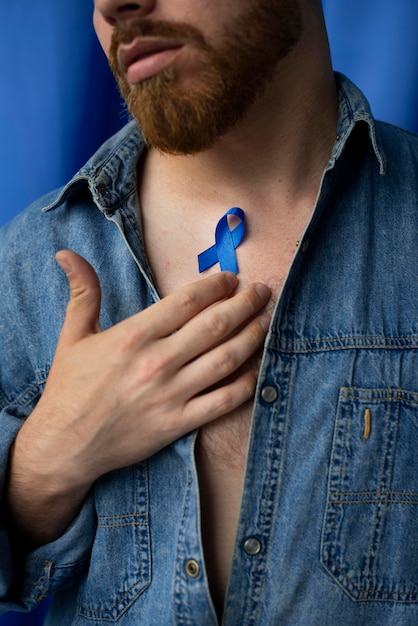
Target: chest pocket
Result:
[370, 533]
[120, 562]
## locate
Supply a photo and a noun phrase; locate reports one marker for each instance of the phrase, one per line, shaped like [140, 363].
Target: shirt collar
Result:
[353, 110]
[110, 174]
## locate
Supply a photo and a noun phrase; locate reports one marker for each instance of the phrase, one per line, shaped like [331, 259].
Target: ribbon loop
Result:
[226, 241]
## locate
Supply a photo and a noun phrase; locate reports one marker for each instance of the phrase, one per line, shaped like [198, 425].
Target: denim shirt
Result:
[328, 529]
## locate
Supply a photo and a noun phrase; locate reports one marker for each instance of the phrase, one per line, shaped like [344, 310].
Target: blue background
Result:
[58, 101]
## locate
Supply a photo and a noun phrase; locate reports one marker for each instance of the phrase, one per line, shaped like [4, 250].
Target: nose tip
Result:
[116, 11]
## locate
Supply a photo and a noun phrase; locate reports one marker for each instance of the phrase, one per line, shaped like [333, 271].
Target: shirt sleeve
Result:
[24, 582]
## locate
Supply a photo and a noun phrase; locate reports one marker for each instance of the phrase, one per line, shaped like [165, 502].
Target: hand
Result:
[117, 396]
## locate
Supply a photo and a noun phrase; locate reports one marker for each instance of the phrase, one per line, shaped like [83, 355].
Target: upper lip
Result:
[129, 53]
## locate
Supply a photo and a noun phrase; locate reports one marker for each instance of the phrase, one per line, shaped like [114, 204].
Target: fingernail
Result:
[231, 278]
[263, 291]
[64, 265]
[265, 323]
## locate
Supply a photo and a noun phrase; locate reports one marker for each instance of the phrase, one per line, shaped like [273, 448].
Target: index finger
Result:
[169, 314]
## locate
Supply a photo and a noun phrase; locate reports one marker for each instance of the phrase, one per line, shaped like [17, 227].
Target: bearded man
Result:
[238, 448]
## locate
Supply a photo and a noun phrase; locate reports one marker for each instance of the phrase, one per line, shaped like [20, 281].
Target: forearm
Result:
[38, 508]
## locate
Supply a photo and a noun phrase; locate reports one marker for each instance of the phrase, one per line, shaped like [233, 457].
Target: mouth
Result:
[146, 57]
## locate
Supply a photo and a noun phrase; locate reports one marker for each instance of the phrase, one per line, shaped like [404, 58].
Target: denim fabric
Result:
[331, 484]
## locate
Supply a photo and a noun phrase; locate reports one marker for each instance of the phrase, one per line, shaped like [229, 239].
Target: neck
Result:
[279, 149]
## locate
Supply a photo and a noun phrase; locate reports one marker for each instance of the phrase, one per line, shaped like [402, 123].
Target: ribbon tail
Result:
[207, 259]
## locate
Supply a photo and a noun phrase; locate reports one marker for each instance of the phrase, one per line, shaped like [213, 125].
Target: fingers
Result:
[221, 401]
[225, 359]
[171, 313]
[204, 332]
[82, 316]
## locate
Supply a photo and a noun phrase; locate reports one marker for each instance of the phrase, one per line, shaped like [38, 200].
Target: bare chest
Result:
[221, 446]
[221, 451]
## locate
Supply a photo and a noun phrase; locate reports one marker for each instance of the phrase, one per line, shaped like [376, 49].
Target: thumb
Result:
[82, 316]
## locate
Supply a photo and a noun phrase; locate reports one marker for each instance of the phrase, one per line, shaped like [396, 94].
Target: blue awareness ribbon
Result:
[226, 241]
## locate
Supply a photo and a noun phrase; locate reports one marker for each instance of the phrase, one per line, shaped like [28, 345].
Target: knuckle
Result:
[256, 335]
[217, 324]
[154, 367]
[130, 338]
[226, 362]
[81, 291]
[171, 427]
[248, 386]
[225, 401]
[127, 343]
[190, 302]
[235, 394]
[145, 363]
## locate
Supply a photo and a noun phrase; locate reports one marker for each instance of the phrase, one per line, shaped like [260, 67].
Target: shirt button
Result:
[104, 191]
[252, 546]
[305, 246]
[269, 394]
[192, 568]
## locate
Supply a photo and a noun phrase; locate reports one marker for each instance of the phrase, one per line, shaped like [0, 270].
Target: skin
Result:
[208, 368]
[118, 414]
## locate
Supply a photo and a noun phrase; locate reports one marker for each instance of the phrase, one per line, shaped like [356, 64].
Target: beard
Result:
[178, 119]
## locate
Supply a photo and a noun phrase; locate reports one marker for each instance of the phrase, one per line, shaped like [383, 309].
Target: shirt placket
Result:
[193, 604]
[260, 493]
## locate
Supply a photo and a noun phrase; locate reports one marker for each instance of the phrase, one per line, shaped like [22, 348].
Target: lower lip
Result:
[150, 66]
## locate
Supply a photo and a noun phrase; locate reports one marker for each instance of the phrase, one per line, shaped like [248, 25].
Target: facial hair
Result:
[179, 120]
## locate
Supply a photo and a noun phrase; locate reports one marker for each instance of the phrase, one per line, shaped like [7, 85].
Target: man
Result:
[160, 469]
